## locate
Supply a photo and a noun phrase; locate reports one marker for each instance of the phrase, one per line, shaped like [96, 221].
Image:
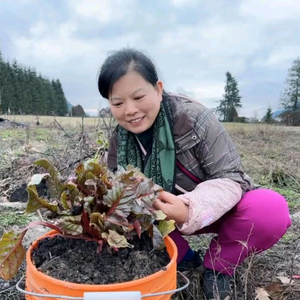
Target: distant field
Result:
[94, 121]
[48, 120]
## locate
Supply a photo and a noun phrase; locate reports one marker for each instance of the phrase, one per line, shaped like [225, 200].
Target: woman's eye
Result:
[139, 97]
[117, 104]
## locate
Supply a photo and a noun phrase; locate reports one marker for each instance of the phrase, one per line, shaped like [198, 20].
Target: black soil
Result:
[77, 261]
[20, 193]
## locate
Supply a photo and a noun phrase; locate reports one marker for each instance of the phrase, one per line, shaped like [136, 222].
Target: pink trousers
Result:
[255, 224]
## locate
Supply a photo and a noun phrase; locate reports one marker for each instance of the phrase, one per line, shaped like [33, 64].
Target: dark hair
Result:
[119, 63]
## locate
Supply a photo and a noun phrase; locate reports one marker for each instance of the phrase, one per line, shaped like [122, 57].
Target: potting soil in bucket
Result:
[43, 283]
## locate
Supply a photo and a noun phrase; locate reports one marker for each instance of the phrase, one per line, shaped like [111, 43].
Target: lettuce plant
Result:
[93, 204]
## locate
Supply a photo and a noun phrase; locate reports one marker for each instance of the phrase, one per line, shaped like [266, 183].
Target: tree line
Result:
[289, 100]
[23, 91]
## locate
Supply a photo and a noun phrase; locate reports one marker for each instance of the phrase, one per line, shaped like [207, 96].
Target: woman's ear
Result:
[159, 88]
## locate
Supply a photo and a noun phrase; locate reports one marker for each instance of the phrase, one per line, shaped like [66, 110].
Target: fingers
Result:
[157, 204]
[166, 197]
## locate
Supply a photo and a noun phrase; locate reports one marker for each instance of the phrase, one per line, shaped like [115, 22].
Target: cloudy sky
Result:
[192, 42]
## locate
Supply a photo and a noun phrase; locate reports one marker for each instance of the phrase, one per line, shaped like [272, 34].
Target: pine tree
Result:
[290, 99]
[231, 100]
[3, 81]
[268, 117]
[22, 91]
[60, 99]
[17, 89]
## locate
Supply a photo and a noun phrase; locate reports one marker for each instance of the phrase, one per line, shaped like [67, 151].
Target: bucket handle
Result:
[187, 283]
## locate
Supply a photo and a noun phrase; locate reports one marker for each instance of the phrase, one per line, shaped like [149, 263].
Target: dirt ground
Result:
[270, 155]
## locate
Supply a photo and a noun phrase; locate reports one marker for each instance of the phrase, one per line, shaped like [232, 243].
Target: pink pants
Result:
[255, 224]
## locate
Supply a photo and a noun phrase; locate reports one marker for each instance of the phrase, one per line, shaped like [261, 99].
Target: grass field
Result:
[48, 120]
[270, 155]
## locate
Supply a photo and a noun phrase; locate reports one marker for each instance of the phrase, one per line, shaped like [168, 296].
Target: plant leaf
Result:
[91, 167]
[137, 227]
[12, 254]
[85, 222]
[54, 183]
[261, 294]
[136, 172]
[36, 179]
[159, 215]
[88, 202]
[69, 196]
[165, 227]
[90, 175]
[73, 191]
[145, 220]
[285, 280]
[148, 191]
[117, 218]
[157, 239]
[98, 219]
[114, 196]
[106, 181]
[34, 202]
[70, 225]
[116, 240]
[65, 201]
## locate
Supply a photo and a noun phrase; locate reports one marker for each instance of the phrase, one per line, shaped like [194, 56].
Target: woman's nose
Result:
[131, 108]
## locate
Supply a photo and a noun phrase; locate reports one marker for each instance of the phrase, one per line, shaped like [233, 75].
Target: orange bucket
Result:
[161, 281]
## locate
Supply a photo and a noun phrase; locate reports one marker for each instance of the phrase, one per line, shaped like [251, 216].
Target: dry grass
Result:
[48, 120]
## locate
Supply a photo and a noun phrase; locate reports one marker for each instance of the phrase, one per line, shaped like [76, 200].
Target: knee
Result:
[266, 213]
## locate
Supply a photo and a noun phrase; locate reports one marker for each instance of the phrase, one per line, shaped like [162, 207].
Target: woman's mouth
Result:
[136, 121]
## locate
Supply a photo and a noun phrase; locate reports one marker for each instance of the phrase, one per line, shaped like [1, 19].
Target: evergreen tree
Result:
[22, 91]
[231, 100]
[60, 99]
[3, 81]
[16, 105]
[290, 99]
[268, 117]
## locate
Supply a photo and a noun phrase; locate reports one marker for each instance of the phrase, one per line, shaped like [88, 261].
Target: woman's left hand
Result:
[172, 206]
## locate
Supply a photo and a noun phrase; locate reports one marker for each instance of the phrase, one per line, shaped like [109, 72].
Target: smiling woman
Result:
[135, 103]
[135, 98]
[182, 146]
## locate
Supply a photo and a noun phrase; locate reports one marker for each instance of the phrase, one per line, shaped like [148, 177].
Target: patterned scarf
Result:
[160, 166]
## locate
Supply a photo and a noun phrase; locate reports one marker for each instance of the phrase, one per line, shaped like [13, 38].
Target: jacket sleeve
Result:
[208, 202]
[225, 179]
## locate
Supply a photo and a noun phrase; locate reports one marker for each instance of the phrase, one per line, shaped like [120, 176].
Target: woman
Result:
[181, 145]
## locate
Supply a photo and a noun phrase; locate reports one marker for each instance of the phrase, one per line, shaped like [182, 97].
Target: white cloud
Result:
[52, 49]
[182, 3]
[103, 10]
[279, 58]
[204, 89]
[38, 29]
[215, 37]
[271, 10]
[206, 92]
[58, 44]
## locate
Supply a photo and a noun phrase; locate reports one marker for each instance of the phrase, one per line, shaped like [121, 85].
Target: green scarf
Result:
[160, 166]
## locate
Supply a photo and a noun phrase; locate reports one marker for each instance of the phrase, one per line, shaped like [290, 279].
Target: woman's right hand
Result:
[172, 206]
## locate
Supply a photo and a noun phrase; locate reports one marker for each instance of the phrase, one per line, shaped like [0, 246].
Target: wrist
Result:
[184, 215]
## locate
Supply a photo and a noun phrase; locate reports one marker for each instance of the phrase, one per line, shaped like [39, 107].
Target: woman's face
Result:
[134, 102]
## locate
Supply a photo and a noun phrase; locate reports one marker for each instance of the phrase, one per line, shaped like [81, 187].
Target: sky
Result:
[193, 43]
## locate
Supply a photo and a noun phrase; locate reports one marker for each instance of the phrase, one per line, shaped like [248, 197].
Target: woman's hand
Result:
[172, 206]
